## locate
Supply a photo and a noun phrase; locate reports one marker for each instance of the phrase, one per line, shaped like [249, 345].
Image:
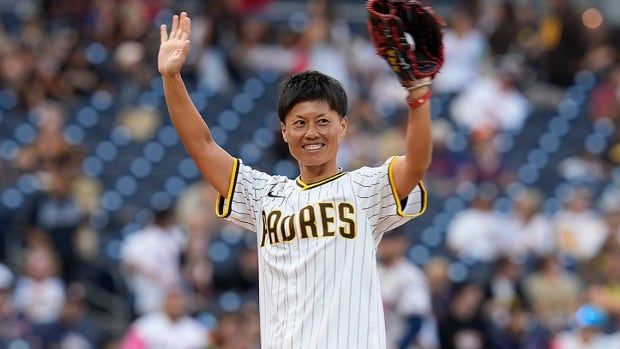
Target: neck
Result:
[313, 174]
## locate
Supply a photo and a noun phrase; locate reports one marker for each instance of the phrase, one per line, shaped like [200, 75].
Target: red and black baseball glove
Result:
[408, 36]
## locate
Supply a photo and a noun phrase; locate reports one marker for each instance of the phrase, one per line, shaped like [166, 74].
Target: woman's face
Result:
[313, 131]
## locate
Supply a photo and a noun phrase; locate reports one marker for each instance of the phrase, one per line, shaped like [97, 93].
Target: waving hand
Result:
[174, 46]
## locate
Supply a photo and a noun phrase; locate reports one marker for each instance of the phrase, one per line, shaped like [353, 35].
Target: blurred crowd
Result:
[518, 263]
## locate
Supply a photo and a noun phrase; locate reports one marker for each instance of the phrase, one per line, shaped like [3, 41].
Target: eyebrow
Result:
[303, 117]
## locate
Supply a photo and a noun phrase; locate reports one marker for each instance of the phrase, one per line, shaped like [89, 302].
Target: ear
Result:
[283, 130]
[344, 123]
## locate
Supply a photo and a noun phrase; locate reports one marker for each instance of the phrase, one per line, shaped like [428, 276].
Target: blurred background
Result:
[108, 236]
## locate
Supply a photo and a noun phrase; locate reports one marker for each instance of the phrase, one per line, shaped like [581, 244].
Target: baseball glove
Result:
[408, 36]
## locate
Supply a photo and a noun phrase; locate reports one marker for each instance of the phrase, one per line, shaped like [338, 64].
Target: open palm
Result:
[175, 46]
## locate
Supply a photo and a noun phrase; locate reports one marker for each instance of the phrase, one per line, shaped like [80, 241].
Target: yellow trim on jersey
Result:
[305, 186]
[223, 206]
[399, 205]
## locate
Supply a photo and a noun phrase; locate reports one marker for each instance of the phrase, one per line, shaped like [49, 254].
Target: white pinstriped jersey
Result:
[317, 244]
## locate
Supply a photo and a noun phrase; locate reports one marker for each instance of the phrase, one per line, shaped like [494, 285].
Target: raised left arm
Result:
[409, 169]
[408, 36]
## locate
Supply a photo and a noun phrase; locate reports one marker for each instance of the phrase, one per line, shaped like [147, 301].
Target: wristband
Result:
[419, 84]
[416, 102]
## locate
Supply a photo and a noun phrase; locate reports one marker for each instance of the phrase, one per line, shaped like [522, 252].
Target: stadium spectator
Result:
[13, 326]
[503, 291]
[562, 40]
[39, 293]
[465, 326]
[151, 260]
[520, 330]
[580, 230]
[437, 270]
[465, 51]
[74, 328]
[477, 233]
[493, 102]
[531, 231]
[49, 148]
[406, 296]
[169, 327]
[589, 332]
[553, 293]
[54, 216]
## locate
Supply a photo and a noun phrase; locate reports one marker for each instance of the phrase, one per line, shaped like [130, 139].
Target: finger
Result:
[175, 26]
[164, 33]
[187, 28]
[181, 24]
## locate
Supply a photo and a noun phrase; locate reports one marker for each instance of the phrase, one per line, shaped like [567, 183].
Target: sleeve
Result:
[376, 191]
[241, 204]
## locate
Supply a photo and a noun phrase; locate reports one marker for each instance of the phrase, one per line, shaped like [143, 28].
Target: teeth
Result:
[313, 146]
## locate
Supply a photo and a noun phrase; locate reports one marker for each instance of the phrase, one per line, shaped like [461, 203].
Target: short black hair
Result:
[311, 86]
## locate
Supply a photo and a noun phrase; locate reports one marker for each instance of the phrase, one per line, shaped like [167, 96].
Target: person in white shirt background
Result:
[150, 259]
[170, 327]
[406, 294]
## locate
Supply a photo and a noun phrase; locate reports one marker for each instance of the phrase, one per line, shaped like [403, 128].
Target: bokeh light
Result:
[592, 18]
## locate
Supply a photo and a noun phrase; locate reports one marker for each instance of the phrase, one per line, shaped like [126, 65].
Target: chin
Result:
[312, 160]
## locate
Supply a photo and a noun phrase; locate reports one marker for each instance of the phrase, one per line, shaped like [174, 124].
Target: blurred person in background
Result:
[605, 99]
[169, 327]
[494, 102]
[521, 330]
[500, 25]
[13, 325]
[580, 230]
[406, 296]
[588, 332]
[436, 270]
[583, 167]
[39, 292]
[477, 233]
[487, 163]
[151, 260]
[531, 230]
[53, 217]
[504, 289]
[553, 293]
[49, 147]
[74, 328]
[604, 288]
[562, 40]
[328, 40]
[465, 51]
[196, 214]
[464, 326]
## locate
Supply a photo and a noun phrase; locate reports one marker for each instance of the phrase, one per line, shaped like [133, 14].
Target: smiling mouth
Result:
[313, 147]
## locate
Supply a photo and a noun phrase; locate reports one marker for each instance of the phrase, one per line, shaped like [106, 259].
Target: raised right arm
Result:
[213, 162]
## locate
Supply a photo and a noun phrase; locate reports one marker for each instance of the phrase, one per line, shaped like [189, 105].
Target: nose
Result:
[312, 131]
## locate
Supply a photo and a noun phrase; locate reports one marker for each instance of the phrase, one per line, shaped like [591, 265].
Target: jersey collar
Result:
[305, 186]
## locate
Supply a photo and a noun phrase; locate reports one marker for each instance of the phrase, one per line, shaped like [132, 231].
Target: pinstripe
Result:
[351, 281]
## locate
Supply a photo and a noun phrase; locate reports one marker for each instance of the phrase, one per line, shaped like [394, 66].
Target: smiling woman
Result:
[313, 132]
[317, 235]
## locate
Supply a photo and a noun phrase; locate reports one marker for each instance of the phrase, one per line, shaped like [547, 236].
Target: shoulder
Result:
[373, 172]
[256, 177]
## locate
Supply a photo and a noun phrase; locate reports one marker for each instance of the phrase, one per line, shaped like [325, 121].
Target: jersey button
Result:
[295, 248]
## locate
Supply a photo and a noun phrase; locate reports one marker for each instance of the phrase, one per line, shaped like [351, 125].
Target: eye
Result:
[298, 123]
[323, 121]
